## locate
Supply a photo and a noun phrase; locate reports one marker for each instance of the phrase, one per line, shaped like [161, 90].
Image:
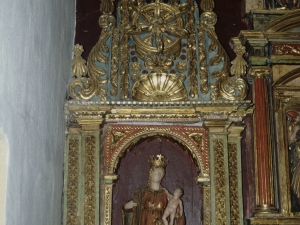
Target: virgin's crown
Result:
[159, 162]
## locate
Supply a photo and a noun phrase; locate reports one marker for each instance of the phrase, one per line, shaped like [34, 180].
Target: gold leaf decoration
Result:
[239, 64]
[79, 69]
[86, 88]
[72, 192]
[207, 5]
[220, 181]
[90, 172]
[159, 87]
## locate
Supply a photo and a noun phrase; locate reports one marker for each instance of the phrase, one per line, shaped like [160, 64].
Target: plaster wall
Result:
[35, 58]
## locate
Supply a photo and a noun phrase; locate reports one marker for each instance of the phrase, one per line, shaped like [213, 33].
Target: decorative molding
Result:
[135, 133]
[233, 184]
[220, 196]
[207, 204]
[90, 173]
[72, 186]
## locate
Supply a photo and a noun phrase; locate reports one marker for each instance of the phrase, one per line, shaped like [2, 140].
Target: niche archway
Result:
[180, 172]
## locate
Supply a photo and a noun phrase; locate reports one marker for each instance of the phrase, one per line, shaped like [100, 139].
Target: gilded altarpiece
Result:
[158, 71]
[274, 61]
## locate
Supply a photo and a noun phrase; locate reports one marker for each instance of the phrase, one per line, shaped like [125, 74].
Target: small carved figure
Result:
[173, 204]
[295, 3]
[294, 125]
[295, 169]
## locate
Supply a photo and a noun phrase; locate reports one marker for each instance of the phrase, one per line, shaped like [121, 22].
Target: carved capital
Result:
[110, 179]
[217, 126]
[254, 38]
[235, 131]
[260, 72]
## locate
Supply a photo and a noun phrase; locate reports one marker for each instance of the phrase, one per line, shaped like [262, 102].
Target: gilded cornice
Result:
[177, 112]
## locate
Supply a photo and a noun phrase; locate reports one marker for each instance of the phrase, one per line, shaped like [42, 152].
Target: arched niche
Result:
[121, 137]
[126, 152]
[181, 172]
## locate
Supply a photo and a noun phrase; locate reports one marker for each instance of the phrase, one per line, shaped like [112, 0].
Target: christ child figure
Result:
[171, 209]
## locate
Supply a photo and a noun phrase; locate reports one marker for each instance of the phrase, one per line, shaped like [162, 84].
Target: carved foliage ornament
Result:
[157, 51]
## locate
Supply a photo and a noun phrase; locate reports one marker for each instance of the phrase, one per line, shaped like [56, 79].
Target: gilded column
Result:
[235, 175]
[263, 166]
[219, 172]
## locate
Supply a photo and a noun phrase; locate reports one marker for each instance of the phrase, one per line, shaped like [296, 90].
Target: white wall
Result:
[36, 39]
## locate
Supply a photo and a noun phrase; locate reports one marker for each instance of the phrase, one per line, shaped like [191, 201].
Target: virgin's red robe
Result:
[150, 208]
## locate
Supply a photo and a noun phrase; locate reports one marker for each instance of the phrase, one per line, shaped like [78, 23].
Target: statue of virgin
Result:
[148, 205]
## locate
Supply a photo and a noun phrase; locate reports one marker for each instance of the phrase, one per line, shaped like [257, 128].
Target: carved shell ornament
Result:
[159, 87]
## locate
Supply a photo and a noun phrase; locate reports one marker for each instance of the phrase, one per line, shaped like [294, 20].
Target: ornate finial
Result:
[159, 162]
[107, 6]
[79, 68]
[207, 5]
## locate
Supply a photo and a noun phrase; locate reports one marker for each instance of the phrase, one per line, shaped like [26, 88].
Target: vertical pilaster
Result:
[82, 174]
[91, 171]
[109, 182]
[262, 146]
[235, 175]
[71, 178]
[219, 173]
[206, 202]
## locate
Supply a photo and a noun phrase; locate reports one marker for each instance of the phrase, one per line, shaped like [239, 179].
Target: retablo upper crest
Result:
[158, 161]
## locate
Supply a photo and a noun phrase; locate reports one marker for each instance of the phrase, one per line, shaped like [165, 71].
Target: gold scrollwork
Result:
[72, 192]
[93, 85]
[193, 82]
[181, 66]
[233, 184]
[90, 172]
[233, 87]
[202, 60]
[114, 62]
[208, 21]
[199, 140]
[285, 49]
[124, 49]
[118, 136]
[218, 145]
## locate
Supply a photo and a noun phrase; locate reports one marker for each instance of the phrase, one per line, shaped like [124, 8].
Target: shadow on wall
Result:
[3, 174]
